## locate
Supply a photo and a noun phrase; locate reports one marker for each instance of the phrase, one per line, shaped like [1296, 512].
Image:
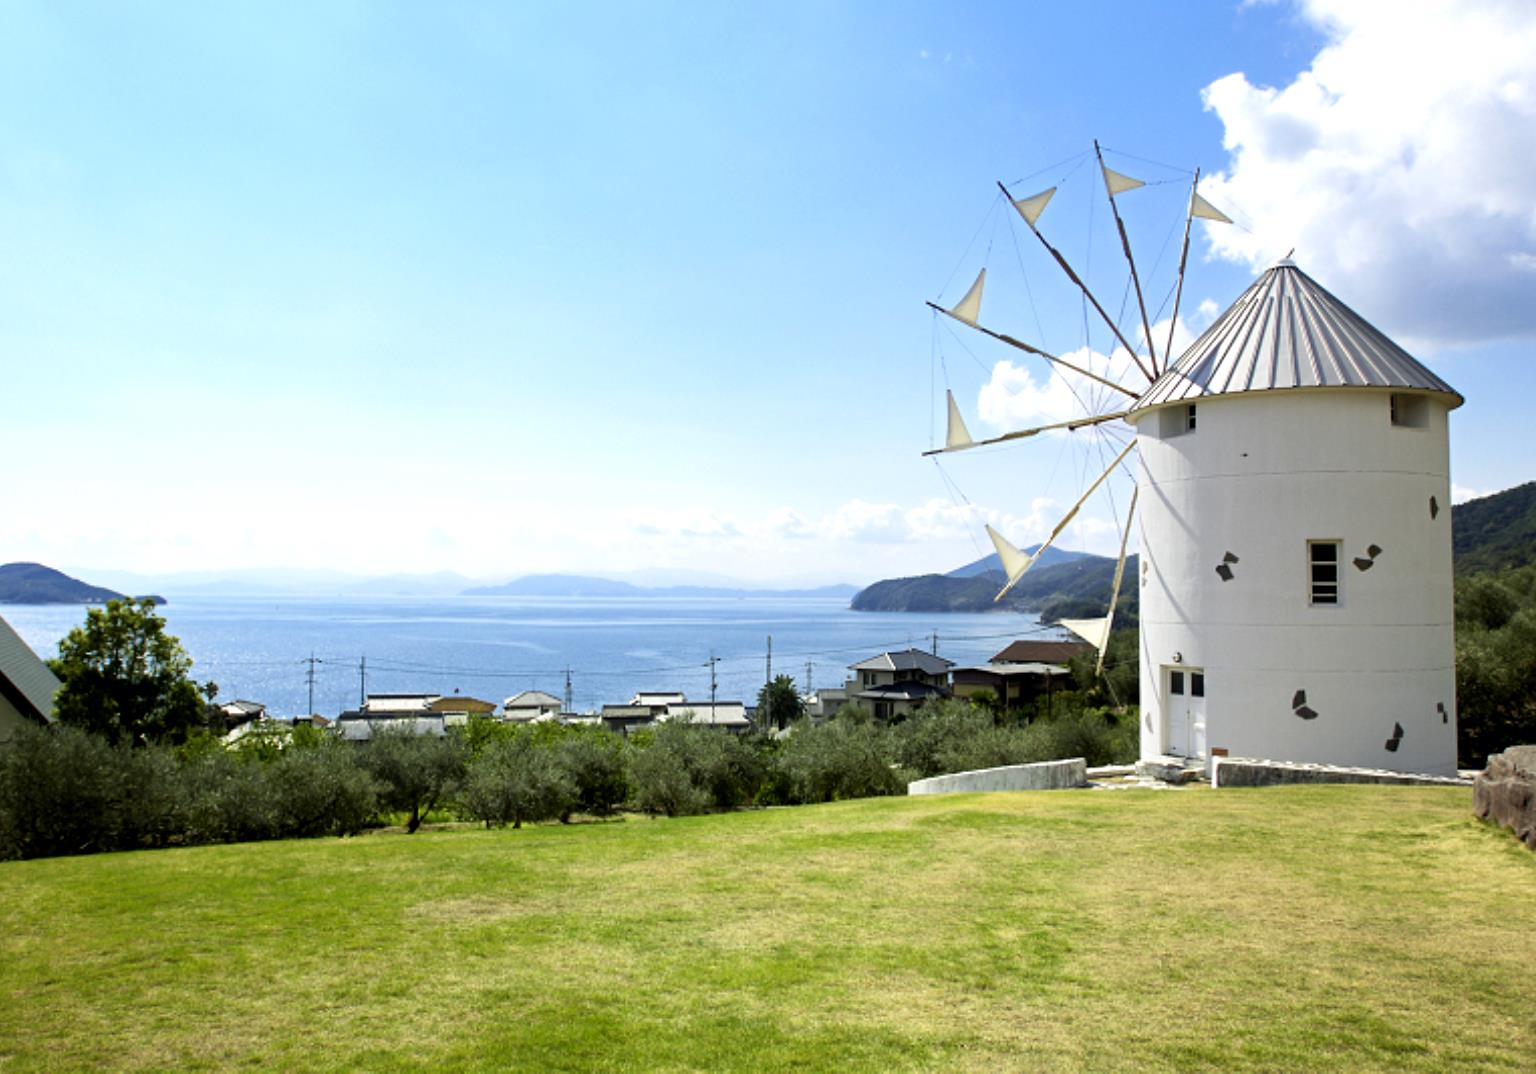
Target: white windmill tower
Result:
[1296, 599]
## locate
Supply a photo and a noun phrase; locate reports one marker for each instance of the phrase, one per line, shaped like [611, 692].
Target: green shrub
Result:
[721, 770]
[837, 760]
[919, 743]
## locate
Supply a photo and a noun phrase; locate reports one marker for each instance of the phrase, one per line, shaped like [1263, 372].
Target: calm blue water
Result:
[493, 647]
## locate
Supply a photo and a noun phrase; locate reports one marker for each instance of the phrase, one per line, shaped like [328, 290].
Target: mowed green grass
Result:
[1288, 929]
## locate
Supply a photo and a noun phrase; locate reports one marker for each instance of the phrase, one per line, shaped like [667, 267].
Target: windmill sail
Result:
[1031, 207]
[1206, 211]
[1019, 434]
[1093, 631]
[1119, 184]
[1114, 588]
[1017, 563]
[968, 309]
[958, 436]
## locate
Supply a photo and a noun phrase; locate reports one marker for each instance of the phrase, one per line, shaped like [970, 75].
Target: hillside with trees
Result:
[1075, 585]
[1495, 531]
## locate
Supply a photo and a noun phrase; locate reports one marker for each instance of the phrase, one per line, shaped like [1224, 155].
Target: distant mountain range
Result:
[576, 585]
[33, 583]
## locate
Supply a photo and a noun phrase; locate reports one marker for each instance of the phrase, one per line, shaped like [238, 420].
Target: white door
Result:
[1184, 703]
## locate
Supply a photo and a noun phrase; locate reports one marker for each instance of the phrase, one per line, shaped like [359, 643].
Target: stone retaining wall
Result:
[1247, 772]
[1044, 776]
[1505, 792]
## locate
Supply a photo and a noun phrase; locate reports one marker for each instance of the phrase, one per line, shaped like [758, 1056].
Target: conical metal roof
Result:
[1286, 333]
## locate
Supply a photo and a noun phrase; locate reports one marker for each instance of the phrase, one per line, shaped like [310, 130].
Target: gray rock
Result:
[1505, 792]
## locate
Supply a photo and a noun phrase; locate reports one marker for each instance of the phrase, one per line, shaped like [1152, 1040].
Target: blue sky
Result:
[514, 288]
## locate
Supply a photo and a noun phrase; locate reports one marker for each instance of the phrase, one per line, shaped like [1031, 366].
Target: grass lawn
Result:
[1287, 929]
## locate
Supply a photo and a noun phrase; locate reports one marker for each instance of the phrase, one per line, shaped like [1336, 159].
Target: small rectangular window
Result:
[1409, 411]
[1323, 571]
[1176, 421]
[1176, 682]
[1196, 684]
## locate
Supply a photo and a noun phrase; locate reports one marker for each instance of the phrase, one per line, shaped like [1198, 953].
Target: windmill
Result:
[1292, 484]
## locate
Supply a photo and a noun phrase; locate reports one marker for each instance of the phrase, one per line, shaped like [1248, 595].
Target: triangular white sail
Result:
[958, 436]
[1119, 184]
[1206, 211]
[1015, 562]
[1031, 207]
[1093, 631]
[968, 309]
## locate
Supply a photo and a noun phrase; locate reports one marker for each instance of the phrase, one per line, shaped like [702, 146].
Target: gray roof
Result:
[531, 699]
[24, 678]
[1286, 333]
[906, 660]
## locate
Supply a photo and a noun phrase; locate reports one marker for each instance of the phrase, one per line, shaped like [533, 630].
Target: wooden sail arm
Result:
[1114, 589]
[1028, 349]
[1013, 577]
[1178, 292]
[1083, 287]
[1125, 246]
[1020, 434]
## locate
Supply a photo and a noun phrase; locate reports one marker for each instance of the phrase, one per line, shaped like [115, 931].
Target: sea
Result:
[277, 650]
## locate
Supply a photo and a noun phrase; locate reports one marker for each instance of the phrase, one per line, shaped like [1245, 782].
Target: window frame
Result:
[1315, 598]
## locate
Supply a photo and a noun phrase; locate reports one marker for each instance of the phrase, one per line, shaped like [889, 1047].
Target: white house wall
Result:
[1259, 477]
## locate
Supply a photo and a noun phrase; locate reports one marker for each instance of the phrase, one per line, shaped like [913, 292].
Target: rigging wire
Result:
[1076, 160]
[1149, 160]
[988, 218]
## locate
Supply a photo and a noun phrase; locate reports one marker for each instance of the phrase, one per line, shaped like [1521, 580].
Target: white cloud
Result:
[1461, 494]
[1014, 399]
[1401, 165]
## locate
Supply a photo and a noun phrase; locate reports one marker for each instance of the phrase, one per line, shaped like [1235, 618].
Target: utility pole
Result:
[935, 643]
[362, 682]
[713, 660]
[310, 677]
[807, 677]
[568, 703]
[768, 689]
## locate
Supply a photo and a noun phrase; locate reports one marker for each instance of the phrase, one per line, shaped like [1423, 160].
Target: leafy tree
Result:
[515, 779]
[594, 759]
[414, 771]
[779, 704]
[125, 678]
[1495, 663]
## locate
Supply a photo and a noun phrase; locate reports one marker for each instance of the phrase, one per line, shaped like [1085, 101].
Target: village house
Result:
[1020, 674]
[892, 685]
[457, 710]
[531, 706]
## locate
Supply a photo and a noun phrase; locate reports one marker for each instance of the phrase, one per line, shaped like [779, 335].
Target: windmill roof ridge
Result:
[1287, 332]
